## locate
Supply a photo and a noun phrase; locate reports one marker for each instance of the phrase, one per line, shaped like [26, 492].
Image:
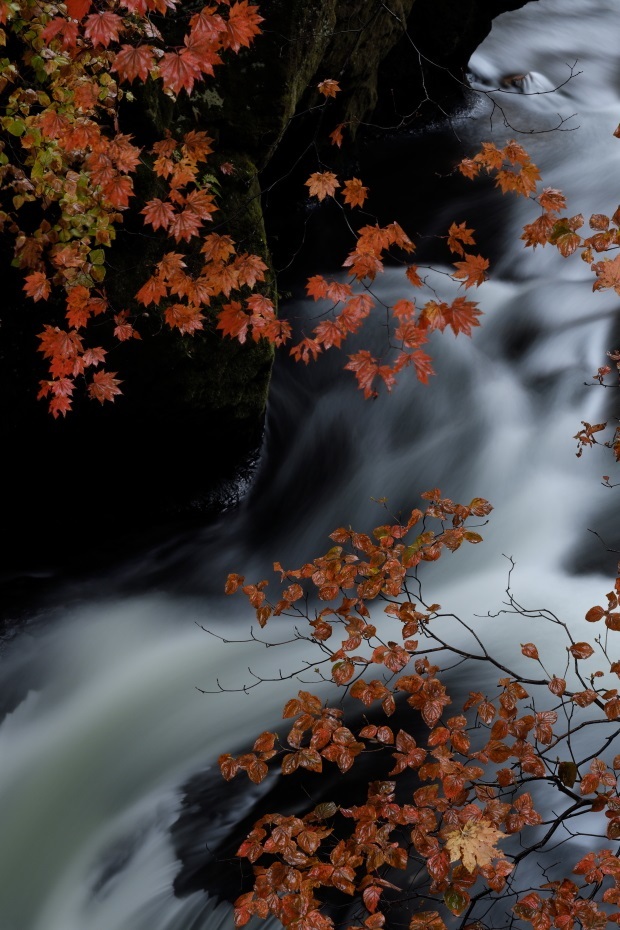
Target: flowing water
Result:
[105, 727]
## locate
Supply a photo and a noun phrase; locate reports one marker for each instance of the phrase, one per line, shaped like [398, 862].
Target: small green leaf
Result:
[97, 256]
[16, 127]
[455, 901]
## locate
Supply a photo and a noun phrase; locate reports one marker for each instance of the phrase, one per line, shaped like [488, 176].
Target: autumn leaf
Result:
[104, 386]
[322, 184]
[474, 843]
[64, 29]
[152, 291]
[581, 650]
[472, 270]
[233, 321]
[459, 235]
[196, 145]
[242, 25]
[158, 213]
[180, 70]
[133, 62]
[469, 168]
[329, 87]
[552, 199]
[354, 192]
[37, 286]
[607, 274]
[118, 191]
[564, 236]
[184, 317]
[78, 9]
[529, 650]
[365, 368]
[103, 28]
[462, 315]
[426, 920]
[336, 134]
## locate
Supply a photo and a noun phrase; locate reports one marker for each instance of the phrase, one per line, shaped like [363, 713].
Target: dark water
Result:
[106, 729]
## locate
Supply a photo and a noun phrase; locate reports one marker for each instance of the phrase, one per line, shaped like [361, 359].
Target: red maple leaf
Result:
[472, 270]
[152, 292]
[250, 269]
[242, 25]
[124, 329]
[180, 70]
[459, 234]
[184, 225]
[234, 321]
[77, 9]
[196, 145]
[201, 203]
[64, 29]
[365, 368]
[462, 315]
[423, 365]
[208, 24]
[336, 135]
[184, 317]
[217, 248]
[317, 287]
[118, 191]
[37, 286]
[103, 28]
[158, 213]
[354, 192]
[329, 87]
[134, 62]
[104, 386]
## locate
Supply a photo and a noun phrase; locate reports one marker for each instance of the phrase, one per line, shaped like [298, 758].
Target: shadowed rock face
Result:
[192, 408]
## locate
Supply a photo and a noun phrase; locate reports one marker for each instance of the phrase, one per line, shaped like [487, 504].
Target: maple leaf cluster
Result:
[473, 764]
[72, 154]
[62, 148]
[515, 172]
[412, 324]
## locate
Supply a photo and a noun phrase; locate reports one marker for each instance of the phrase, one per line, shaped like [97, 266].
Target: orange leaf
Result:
[180, 70]
[336, 134]
[365, 368]
[158, 213]
[328, 87]
[103, 28]
[104, 386]
[474, 843]
[152, 292]
[529, 650]
[118, 191]
[133, 62]
[557, 686]
[581, 650]
[472, 270]
[37, 286]
[322, 184]
[242, 25]
[607, 274]
[234, 321]
[354, 192]
[459, 234]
